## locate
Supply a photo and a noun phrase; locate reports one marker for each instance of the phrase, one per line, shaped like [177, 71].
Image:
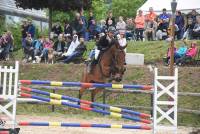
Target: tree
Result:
[99, 8]
[58, 5]
[61, 5]
[126, 8]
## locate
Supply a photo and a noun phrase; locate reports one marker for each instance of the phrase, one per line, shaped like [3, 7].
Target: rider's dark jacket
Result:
[104, 43]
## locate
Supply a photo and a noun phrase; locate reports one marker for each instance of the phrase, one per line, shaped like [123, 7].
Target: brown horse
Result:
[110, 66]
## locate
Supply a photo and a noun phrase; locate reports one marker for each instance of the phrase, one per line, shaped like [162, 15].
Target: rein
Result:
[113, 63]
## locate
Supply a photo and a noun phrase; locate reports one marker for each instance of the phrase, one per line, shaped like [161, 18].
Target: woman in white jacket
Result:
[74, 44]
[121, 25]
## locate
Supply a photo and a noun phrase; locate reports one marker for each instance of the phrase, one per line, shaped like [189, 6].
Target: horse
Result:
[110, 66]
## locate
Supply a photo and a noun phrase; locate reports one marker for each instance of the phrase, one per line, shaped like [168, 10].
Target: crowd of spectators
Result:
[149, 27]
[157, 27]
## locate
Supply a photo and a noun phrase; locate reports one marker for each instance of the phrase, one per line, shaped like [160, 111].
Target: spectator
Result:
[72, 46]
[189, 29]
[151, 15]
[110, 17]
[103, 26]
[78, 26]
[193, 15]
[169, 54]
[24, 31]
[85, 25]
[110, 23]
[122, 40]
[191, 53]
[78, 52]
[196, 29]
[48, 44]
[150, 30]
[68, 40]
[92, 30]
[139, 24]
[121, 25]
[180, 23]
[28, 49]
[37, 46]
[162, 28]
[83, 18]
[67, 28]
[10, 41]
[130, 29]
[3, 46]
[57, 29]
[6, 45]
[31, 29]
[91, 18]
[164, 15]
[180, 52]
[59, 46]
[169, 30]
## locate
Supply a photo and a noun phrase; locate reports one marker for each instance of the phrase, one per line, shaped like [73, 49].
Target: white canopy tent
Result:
[183, 5]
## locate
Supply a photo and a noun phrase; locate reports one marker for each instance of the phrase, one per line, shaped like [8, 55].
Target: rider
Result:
[103, 44]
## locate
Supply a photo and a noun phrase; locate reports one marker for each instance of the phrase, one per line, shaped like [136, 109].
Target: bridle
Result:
[115, 62]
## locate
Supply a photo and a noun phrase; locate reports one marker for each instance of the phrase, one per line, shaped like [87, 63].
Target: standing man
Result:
[24, 31]
[31, 29]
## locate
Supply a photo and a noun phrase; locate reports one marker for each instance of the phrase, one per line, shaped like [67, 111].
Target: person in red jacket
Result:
[139, 24]
[151, 16]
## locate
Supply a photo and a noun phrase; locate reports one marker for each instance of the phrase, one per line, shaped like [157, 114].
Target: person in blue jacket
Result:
[181, 51]
[31, 29]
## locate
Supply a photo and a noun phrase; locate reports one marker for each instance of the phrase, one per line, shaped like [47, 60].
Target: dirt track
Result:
[59, 130]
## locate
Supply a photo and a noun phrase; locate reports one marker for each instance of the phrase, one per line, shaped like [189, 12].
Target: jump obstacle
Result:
[10, 87]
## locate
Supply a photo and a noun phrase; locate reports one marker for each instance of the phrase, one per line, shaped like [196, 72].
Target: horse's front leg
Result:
[81, 91]
[94, 92]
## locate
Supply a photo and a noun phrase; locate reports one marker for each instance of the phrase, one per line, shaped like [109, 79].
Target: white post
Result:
[9, 92]
[15, 93]
[160, 112]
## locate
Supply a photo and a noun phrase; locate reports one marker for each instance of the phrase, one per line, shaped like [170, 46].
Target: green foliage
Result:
[61, 5]
[2, 24]
[99, 8]
[16, 31]
[59, 16]
[126, 8]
